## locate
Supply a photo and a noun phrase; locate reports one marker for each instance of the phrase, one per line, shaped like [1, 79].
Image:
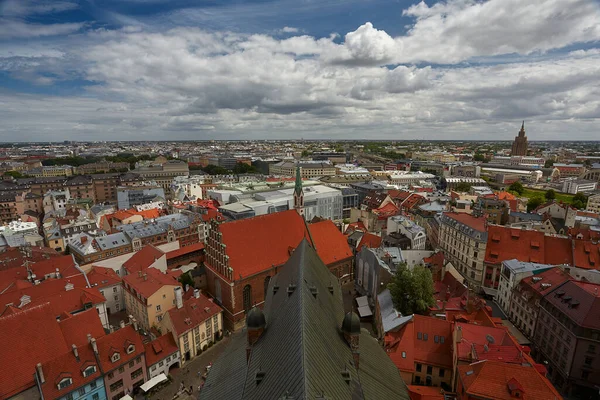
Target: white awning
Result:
[153, 382]
[362, 301]
[364, 311]
[126, 397]
[489, 291]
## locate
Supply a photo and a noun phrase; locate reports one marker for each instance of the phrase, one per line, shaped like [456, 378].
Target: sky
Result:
[276, 69]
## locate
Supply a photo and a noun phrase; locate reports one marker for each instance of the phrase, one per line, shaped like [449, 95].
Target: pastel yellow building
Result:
[149, 295]
[195, 324]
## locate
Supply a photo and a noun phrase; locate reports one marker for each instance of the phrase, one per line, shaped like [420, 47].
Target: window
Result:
[158, 307]
[442, 339]
[130, 349]
[66, 382]
[82, 391]
[96, 396]
[111, 375]
[247, 297]
[115, 289]
[121, 370]
[69, 396]
[153, 368]
[93, 385]
[131, 364]
[115, 357]
[138, 360]
[89, 370]
[117, 385]
[585, 374]
[588, 360]
[160, 364]
[417, 379]
[429, 370]
[436, 338]
[591, 348]
[419, 335]
[418, 368]
[425, 337]
[136, 373]
[442, 371]
[403, 354]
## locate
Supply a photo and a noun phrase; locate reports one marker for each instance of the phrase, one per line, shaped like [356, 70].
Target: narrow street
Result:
[189, 376]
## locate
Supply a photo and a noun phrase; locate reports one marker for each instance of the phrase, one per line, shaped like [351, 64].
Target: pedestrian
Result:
[199, 373]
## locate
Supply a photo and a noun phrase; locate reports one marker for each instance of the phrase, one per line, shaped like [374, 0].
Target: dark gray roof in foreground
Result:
[302, 352]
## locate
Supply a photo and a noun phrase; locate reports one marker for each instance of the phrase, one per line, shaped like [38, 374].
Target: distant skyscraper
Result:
[519, 147]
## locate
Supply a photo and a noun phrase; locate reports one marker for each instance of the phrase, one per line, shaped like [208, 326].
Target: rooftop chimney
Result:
[75, 352]
[197, 293]
[178, 297]
[40, 373]
[122, 324]
[94, 345]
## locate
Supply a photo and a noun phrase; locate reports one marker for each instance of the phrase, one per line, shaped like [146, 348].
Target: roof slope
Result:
[75, 328]
[143, 259]
[195, 311]
[302, 352]
[22, 335]
[330, 243]
[490, 380]
[580, 301]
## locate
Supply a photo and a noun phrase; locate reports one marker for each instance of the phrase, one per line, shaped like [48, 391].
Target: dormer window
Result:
[65, 382]
[130, 349]
[115, 357]
[89, 371]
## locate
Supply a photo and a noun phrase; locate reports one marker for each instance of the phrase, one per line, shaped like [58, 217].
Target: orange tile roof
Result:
[185, 250]
[67, 366]
[75, 328]
[474, 345]
[159, 349]
[102, 277]
[430, 351]
[505, 196]
[425, 393]
[257, 243]
[332, 246]
[30, 332]
[195, 311]
[149, 282]
[142, 259]
[490, 379]
[477, 223]
[118, 341]
[369, 240]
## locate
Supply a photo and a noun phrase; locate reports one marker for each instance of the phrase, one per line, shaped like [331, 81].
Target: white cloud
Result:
[289, 29]
[11, 29]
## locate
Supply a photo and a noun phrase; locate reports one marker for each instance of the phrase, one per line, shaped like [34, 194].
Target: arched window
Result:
[247, 298]
[267, 280]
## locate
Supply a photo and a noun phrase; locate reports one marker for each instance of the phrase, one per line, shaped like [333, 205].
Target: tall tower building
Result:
[519, 147]
[299, 193]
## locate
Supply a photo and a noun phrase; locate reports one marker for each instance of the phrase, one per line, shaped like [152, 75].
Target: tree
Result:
[533, 203]
[579, 201]
[241, 168]
[186, 279]
[215, 170]
[517, 187]
[478, 157]
[14, 174]
[463, 187]
[412, 290]
[550, 194]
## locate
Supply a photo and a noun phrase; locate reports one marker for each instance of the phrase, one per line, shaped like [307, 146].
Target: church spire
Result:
[299, 193]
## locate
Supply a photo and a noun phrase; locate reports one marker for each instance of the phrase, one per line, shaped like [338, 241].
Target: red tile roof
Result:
[118, 341]
[505, 243]
[195, 311]
[54, 291]
[490, 380]
[584, 234]
[101, 277]
[332, 246]
[430, 351]
[413, 200]
[185, 250]
[159, 349]
[425, 393]
[399, 195]
[143, 259]
[386, 211]
[477, 223]
[75, 328]
[474, 345]
[27, 337]
[14, 257]
[553, 276]
[369, 240]
[67, 366]
[580, 301]
[255, 244]
[150, 281]
[586, 254]
[355, 226]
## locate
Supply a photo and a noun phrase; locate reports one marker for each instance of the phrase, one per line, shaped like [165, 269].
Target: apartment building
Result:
[512, 272]
[463, 238]
[149, 295]
[162, 172]
[593, 203]
[307, 169]
[567, 338]
[195, 324]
